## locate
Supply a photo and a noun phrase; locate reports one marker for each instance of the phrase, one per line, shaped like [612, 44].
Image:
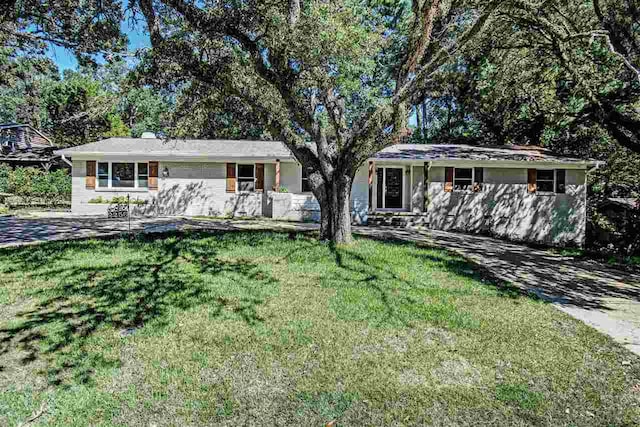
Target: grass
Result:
[280, 329]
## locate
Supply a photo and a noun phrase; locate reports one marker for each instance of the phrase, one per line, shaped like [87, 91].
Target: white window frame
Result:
[473, 179]
[136, 170]
[110, 177]
[555, 180]
[238, 177]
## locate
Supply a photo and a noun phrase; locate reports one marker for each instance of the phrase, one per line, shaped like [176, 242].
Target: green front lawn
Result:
[280, 329]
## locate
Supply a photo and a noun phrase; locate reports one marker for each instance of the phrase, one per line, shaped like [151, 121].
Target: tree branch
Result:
[410, 92]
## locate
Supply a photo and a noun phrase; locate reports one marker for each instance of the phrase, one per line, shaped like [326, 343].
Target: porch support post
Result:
[277, 175]
[411, 191]
[425, 186]
[372, 168]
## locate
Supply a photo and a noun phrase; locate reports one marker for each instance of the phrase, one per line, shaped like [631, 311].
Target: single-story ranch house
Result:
[516, 192]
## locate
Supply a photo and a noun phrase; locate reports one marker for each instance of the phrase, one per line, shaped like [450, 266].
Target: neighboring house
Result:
[24, 145]
[520, 193]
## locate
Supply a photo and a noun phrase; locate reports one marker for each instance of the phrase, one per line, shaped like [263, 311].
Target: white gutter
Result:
[64, 159]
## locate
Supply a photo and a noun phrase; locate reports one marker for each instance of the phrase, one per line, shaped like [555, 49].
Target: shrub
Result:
[117, 200]
[98, 200]
[35, 185]
[5, 171]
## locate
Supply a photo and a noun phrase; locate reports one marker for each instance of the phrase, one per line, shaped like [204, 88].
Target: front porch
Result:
[397, 189]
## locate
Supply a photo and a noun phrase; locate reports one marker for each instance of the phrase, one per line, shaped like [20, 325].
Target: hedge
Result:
[35, 185]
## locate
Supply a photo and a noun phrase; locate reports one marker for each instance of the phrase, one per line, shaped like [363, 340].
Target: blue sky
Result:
[138, 38]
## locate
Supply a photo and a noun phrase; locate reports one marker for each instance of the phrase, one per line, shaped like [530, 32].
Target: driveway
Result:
[604, 297]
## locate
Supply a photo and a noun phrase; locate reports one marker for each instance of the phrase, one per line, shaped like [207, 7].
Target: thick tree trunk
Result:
[335, 210]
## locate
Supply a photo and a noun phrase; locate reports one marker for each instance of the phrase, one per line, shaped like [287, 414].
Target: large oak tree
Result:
[333, 80]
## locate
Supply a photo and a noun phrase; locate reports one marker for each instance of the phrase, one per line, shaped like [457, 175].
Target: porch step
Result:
[397, 219]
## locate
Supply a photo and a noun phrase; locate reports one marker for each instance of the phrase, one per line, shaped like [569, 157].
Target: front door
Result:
[393, 190]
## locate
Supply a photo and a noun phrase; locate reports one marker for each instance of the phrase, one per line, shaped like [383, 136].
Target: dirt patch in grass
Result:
[411, 377]
[367, 350]
[457, 372]
[438, 336]
[397, 344]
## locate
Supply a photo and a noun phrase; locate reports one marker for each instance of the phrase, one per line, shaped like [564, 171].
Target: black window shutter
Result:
[479, 178]
[560, 181]
[379, 187]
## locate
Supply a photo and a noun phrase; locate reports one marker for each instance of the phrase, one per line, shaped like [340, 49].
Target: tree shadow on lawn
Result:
[403, 300]
[459, 264]
[174, 273]
[127, 284]
[567, 281]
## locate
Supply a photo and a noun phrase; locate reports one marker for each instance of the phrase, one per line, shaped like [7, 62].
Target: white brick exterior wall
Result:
[503, 207]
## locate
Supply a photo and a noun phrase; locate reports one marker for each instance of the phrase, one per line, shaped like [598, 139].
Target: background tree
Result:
[575, 65]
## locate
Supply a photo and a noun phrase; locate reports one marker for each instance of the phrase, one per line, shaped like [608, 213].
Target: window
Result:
[462, 179]
[103, 175]
[246, 178]
[122, 175]
[306, 187]
[143, 175]
[545, 180]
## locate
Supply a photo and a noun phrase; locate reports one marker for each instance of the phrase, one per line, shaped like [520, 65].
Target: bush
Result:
[35, 185]
[5, 171]
[116, 200]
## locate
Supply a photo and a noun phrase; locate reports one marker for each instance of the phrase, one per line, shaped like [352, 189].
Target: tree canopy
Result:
[333, 80]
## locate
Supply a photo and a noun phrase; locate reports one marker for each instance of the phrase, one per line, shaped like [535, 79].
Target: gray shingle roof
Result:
[230, 149]
[184, 148]
[426, 152]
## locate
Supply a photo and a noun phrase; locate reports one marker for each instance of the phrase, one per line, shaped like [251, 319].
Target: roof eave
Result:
[581, 164]
[174, 157]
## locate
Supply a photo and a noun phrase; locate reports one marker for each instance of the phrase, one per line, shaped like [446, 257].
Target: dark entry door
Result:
[393, 196]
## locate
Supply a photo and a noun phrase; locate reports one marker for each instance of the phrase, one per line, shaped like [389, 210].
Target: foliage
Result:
[33, 184]
[144, 110]
[117, 200]
[245, 328]
[22, 80]
[78, 109]
[86, 27]
[28, 29]
[82, 106]
[560, 77]
[5, 172]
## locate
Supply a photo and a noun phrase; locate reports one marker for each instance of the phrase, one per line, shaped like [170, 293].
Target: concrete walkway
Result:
[604, 297]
